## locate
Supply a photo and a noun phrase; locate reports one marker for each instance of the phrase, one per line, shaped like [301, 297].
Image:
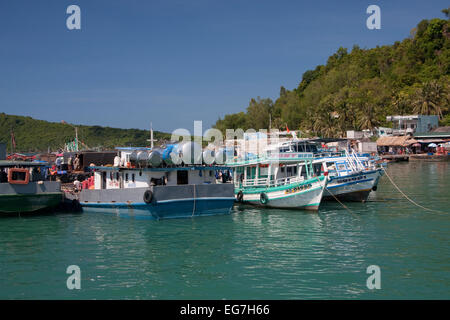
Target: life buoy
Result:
[240, 196]
[148, 196]
[19, 170]
[374, 188]
[263, 198]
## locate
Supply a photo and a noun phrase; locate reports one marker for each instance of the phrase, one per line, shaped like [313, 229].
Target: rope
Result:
[409, 199]
[193, 209]
[345, 207]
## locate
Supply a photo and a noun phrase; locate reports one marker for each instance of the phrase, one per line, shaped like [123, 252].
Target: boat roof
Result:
[12, 163]
[133, 148]
[186, 168]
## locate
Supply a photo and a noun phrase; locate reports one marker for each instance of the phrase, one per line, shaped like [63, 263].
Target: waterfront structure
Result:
[413, 124]
[23, 187]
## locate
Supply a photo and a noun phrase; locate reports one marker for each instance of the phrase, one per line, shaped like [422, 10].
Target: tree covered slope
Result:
[33, 135]
[357, 89]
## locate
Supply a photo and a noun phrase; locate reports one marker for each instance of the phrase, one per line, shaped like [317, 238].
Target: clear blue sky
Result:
[175, 61]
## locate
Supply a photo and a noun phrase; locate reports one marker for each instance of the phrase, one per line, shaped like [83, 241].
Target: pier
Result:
[395, 157]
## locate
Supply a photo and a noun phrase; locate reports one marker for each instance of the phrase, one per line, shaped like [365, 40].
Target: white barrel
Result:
[154, 158]
[142, 157]
[133, 156]
[191, 152]
[223, 155]
[208, 156]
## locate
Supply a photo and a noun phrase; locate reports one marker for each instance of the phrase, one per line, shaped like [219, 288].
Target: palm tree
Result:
[368, 118]
[430, 98]
[401, 103]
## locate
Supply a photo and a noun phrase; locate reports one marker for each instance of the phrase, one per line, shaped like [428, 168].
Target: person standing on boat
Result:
[76, 163]
[116, 161]
[69, 163]
[77, 185]
[58, 163]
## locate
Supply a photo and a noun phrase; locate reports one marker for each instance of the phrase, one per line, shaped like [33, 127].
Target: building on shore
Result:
[396, 144]
[413, 124]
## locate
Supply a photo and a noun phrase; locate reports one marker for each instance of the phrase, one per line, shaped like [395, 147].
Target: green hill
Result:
[356, 90]
[33, 135]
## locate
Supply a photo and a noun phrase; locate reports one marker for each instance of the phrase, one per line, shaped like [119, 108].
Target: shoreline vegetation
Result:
[356, 90]
[32, 135]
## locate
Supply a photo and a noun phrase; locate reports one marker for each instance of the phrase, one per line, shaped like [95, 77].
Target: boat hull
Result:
[168, 201]
[355, 187]
[182, 208]
[31, 197]
[23, 203]
[290, 197]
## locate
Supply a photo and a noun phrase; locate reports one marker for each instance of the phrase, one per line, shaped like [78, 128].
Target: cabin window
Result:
[341, 167]
[19, 176]
[317, 167]
[282, 169]
[295, 170]
[126, 177]
[289, 171]
[132, 177]
[117, 176]
[182, 177]
[303, 172]
[110, 176]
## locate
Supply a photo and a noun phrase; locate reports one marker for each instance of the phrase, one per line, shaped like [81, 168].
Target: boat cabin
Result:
[266, 173]
[123, 178]
[22, 172]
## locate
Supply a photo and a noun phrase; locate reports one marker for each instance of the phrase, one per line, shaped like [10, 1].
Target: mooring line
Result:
[409, 199]
[345, 207]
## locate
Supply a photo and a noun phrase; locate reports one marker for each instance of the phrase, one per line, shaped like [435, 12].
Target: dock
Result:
[427, 157]
[395, 157]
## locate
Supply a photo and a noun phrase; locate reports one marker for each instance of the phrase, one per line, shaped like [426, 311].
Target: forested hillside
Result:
[356, 89]
[33, 135]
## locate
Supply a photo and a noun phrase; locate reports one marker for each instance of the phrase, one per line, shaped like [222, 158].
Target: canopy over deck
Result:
[400, 141]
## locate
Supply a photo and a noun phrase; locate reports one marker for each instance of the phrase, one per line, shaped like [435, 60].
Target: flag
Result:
[287, 129]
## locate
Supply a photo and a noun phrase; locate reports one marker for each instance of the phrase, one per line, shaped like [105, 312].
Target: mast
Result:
[151, 135]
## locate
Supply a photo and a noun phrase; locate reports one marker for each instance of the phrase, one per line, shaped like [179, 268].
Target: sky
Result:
[171, 62]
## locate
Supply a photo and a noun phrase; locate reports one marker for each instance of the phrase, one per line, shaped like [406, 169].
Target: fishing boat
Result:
[274, 183]
[145, 184]
[351, 176]
[24, 189]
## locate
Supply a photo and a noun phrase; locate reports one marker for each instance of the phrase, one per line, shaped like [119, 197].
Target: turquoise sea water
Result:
[250, 254]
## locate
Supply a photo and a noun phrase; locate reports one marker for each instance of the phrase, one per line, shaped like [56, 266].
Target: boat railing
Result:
[263, 182]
